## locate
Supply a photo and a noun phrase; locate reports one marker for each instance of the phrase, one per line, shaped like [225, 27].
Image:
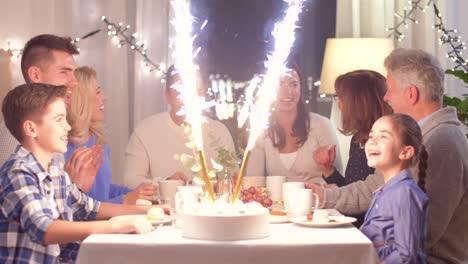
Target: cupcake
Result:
[155, 214]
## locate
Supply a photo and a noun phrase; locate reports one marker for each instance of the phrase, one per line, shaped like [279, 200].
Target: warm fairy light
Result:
[14, 52]
[454, 42]
[406, 17]
[275, 67]
[192, 101]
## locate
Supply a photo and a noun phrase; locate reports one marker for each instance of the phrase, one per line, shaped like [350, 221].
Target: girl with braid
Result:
[396, 221]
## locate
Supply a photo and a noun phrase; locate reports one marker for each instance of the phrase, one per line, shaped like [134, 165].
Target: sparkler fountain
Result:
[193, 103]
[284, 40]
[222, 219]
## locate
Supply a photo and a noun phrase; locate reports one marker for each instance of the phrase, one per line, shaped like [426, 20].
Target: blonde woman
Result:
[85, 115]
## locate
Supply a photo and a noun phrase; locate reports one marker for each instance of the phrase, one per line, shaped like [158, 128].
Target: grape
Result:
[256, 194]
[267, 202]
[252, 190]
[259, 200]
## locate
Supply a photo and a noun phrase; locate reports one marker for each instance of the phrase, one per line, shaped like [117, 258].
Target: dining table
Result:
[287, 243]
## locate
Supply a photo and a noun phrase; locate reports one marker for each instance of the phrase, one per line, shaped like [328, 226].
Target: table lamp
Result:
[347, 54]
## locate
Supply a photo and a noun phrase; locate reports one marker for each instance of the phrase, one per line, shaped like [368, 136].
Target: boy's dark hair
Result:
[410, 135]
[28, 101]
[37, 51]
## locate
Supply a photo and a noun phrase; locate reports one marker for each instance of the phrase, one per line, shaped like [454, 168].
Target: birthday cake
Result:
[222, 221]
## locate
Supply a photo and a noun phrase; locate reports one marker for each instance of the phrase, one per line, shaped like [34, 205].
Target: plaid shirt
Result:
[31, 199]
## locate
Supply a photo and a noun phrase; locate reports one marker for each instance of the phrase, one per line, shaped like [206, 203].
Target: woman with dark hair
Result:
[293, 135]
[359, 95]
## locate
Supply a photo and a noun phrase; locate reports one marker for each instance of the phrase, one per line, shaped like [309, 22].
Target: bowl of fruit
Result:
[256, 194]
[260, 195]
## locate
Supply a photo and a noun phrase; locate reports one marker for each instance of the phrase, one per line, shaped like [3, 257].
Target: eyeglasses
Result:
[337, 97]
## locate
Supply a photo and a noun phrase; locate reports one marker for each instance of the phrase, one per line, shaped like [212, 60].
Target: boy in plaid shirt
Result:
[38, 200]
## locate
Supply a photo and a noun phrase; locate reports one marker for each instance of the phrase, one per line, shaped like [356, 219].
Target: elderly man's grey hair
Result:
[418, 68]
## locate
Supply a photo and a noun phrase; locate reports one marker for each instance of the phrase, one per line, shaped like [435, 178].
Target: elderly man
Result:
[415, 88]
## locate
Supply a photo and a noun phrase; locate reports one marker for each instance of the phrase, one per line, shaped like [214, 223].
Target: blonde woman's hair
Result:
[80, 110]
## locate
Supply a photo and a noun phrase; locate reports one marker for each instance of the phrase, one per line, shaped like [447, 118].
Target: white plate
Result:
[340, 220]
[165, 220]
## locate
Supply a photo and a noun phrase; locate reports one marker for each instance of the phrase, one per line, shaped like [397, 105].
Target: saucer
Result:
[338, 221]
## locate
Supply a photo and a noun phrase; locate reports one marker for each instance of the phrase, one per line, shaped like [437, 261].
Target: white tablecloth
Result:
[287, 244]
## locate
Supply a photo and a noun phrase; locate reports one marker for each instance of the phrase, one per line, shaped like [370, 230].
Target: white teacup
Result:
[289, 187]
[255, 181]
[300, 201]
[274, 184]
[187, 196]
[167, 190]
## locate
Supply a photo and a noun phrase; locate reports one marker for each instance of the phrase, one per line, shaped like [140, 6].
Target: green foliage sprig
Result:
[225, 160]
[460, 104]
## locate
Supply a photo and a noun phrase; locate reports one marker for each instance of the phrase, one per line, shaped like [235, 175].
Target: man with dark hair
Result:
[39, 55]
[49, 59]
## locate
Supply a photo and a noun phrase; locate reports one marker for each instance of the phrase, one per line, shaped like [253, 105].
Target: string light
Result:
[13, 52]
[407, 17]
[121, 37]
[454, 41]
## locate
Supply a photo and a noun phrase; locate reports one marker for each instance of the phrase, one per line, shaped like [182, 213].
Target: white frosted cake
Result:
[222, 221]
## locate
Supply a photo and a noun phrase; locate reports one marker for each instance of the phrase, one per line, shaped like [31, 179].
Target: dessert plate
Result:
[336, 221]
[165, 220]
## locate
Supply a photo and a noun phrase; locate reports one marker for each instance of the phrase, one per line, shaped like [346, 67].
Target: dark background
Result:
[237, 37]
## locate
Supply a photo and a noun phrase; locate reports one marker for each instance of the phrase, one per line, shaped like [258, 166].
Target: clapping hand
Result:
[83, 164]
[324, 157]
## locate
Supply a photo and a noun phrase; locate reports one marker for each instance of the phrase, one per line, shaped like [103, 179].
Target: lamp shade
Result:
[347, 54]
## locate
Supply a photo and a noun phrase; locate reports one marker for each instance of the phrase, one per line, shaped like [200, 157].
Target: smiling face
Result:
[384, 150]
[289, 92]
[99, 99]
[397, 96]
[51, 132]
[59, 71]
